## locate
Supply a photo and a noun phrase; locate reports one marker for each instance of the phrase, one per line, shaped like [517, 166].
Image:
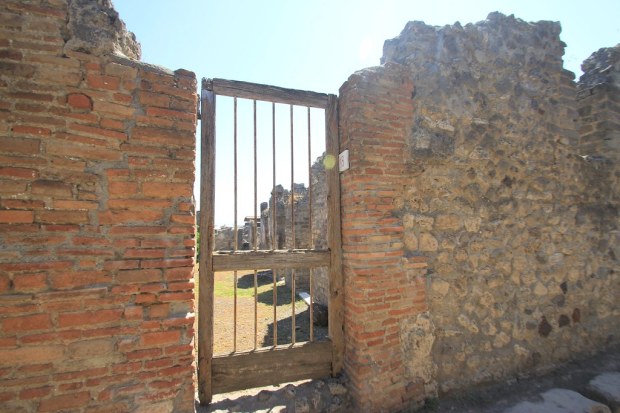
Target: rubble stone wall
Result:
[96, 216]
[516, 211]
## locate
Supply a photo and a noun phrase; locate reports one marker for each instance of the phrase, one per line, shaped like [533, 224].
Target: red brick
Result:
[144, 253]
[51, 188]
[89, 318]
[123, 189]
[66, 388]
[103, 82]
[36, 393]
[154, 99]
[64, 402]
[21, 146]
[30, 282]
[80, 279]
[32, 96]
[121, 264]
[16, 217]
[160, 337]
[112, 124]
[20, 173]
[164, 297]
[138, 276]
[169, 113]
[133, 313]
[158, 364]
[62, 217]
[126, 216]
[147, 354]
[31, 130]
[26, 323]
[183, 219]
[76, 205]
[175, 274]
[169, 263]
[161, 136]
[21, 204]
[79, 101]
[98, 132]
[8, 342]
[76, 150]
[159, 310]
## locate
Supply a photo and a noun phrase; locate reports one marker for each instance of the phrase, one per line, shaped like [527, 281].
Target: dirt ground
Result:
[255, 318]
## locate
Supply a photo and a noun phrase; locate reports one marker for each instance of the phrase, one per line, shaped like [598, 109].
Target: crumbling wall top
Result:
[94, 27]
[498, 41]
[602, 67]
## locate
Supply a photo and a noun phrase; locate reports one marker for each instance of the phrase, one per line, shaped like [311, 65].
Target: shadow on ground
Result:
[302, 329]
[322, 395]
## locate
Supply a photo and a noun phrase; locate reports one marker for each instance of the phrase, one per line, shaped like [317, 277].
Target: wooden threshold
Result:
[270, 366]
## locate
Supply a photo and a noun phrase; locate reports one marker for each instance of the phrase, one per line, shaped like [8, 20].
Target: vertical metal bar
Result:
[292, 184]
[311, 312]
[206, 275]
[235, 227]
[235, 281]
[255, 224]
[292, 227]
[293, 306]
[275, 304]
[255, 228]
[311, 240]
[255, 309]
[274, 208]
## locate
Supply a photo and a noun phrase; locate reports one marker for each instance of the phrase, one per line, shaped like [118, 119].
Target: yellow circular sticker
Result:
[329, 161]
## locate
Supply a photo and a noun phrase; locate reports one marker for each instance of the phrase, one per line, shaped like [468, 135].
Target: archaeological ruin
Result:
[480, 214]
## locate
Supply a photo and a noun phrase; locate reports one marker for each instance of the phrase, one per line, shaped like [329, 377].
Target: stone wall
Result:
[516, 213]
[96, 216]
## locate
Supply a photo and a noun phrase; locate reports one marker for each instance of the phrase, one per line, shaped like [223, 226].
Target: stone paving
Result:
[591, 385]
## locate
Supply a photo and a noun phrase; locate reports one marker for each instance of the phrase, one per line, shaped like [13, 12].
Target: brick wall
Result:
[385, 285]
[96, 217]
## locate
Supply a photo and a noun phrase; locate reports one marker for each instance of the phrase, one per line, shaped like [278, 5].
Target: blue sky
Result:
[316, 45]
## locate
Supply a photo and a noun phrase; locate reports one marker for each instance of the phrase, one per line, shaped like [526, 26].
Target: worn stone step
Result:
[606, 388]
[560, 401]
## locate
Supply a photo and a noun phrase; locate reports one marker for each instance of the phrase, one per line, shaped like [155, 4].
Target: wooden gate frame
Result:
[256, 368]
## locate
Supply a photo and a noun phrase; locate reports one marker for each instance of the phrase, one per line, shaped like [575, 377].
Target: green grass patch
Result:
[225, 284]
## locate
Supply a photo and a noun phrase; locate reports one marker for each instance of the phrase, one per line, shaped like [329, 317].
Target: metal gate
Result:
[277, 363]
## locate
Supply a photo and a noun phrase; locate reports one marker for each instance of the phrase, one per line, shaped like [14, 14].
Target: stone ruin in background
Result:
[300, 199]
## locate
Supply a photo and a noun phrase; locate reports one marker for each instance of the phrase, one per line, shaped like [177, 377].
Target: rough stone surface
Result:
[561, 401]
[606, 388]
[95, 27]
[513, 202]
